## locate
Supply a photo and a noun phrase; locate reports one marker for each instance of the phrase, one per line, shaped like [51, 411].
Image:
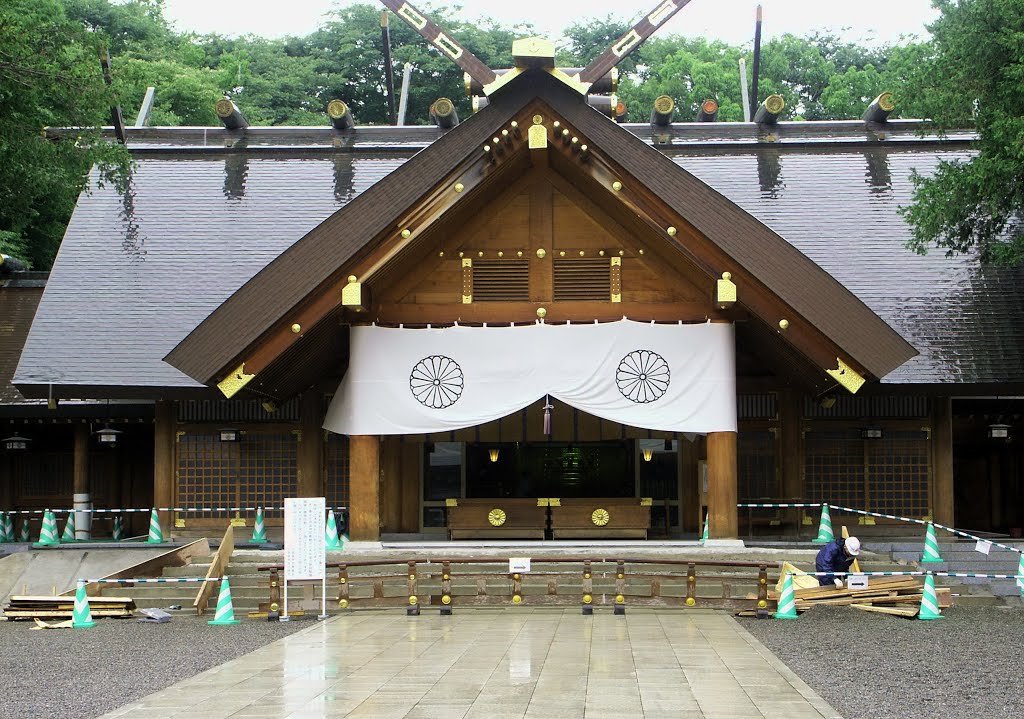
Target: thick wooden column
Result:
[311, 448]
[391, 483]
[412, 458]
[790, 456]
[364, 488]
[942, 461]
[165, 424]
[722, 486]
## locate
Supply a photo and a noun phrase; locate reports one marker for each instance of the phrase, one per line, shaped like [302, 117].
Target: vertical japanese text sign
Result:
[305, 554]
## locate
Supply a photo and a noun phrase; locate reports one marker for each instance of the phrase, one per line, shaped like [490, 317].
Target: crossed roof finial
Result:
[488, 78]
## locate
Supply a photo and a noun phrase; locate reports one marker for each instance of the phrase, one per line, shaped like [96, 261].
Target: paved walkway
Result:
[500, 664]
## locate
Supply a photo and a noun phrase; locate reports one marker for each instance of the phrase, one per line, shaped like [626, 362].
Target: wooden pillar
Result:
[791, 455]
[7, 482]
[364, 488]
[391, 483]
[165, 424]
[80, 480]
[689, 495]
[722, 486]
[942, 461]
[311, 448]
[412, 458]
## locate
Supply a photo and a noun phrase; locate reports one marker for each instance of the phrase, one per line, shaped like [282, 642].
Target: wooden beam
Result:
[689, 495]
[164, 445]
[541, 241]
[412, 458]
[722, 486]
[506, 312]
[790, 454]
[311, 448]
[364, 488]
[942, 461]
[391, 484]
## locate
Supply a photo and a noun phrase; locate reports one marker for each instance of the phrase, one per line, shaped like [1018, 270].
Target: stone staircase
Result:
[961, 556]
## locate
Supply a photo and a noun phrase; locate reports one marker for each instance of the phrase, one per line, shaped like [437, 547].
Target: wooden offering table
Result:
[497, 518]
[610, 518]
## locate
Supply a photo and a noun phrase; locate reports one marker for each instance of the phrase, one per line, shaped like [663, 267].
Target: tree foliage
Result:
[976, 72]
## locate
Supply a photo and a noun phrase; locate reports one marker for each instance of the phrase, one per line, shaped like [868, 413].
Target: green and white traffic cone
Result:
[931, 546]
[333, 540]
[9, 527]
[81, 618]
[156, 535]
[825, 534]
[118, 532]
[225, 610]
[3, 529]
[1020, 576]
[48, 532]
[69, 529]
[787, 601]
[704, 536]
[25, 532]
[259, 532]
[929, 602]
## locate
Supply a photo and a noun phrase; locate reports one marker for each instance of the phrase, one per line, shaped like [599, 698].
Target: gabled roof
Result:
[208, 211]
[317, 260]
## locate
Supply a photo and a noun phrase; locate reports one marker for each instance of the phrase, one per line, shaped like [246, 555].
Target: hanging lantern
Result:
[648, 454]
[493, 454]
[229, 435]
[999, 431]
[107, 436]
[15, 443]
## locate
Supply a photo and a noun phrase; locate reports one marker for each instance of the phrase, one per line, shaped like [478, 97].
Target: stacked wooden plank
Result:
[29, 607]
[887, 595]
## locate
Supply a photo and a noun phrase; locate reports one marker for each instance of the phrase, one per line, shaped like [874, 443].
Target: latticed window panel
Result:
[756, 465]
[899, 468]
[834, 467]
[40, 477]
[260, 470]
[336, 470]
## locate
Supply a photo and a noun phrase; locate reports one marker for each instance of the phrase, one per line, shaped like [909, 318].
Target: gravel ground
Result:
[875, 666]
[88, 672]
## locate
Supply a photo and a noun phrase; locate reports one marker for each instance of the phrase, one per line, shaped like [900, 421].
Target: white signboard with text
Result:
[305, 553]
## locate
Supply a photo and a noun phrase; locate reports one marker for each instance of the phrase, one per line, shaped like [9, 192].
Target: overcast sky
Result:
[872, 21]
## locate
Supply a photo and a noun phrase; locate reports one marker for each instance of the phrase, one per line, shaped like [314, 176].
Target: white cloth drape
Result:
[676, 378]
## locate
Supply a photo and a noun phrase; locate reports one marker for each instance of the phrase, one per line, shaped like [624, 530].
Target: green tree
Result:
[977, 71]
[49, 77]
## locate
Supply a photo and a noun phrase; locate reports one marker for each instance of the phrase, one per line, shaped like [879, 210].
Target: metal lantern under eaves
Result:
[16, 443]
[999, 431]
[108, 437]
[229, 434]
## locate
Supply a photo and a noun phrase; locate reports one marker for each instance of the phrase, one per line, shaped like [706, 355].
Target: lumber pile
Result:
[886, 595]
[29, 607]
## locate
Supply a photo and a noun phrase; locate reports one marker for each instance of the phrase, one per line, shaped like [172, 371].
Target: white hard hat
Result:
[853, 546]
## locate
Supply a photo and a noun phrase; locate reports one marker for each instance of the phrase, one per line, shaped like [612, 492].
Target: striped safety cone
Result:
[787, 600]
[9, 527]
[704, 536]
[259, 531]
[3, 529]
[825, 534]
[333, 540]
[156, 535]
[81, 617]
[931, 546]
[225, 610]
[69, 529]
[929, 602]
[1020, 576]
[48, 532]
[118, 531]
[25, 532]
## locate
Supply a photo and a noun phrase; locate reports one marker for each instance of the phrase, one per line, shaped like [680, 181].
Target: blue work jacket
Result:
[832, 558]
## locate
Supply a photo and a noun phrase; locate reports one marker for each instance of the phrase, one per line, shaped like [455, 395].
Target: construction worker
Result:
[836, 556]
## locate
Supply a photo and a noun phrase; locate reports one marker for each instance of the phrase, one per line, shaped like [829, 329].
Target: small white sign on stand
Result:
[983, 546]
[856, 581]
[518, 565]
[305, 546]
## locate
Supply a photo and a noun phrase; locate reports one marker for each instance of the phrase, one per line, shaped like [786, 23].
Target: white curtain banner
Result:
[670, 377]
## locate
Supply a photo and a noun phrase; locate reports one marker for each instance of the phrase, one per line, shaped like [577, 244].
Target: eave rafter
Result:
[570, 152]
[350, 288]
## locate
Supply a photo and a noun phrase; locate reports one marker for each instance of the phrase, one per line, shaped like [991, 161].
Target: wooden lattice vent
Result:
[582, 279]
[501, 280]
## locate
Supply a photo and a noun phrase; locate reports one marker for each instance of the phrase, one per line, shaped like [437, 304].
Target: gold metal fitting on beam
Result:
[783, 324]
[459, 187]
[725, 291]
[538, 119]
[671, 231]
[406, 234]
[537, 137]
[541, 253]
[541, 312]
[845, 375]
[230, 385]
[296, 328]
[616, 185]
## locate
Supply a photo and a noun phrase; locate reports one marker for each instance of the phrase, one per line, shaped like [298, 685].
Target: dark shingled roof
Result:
[135, 275]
